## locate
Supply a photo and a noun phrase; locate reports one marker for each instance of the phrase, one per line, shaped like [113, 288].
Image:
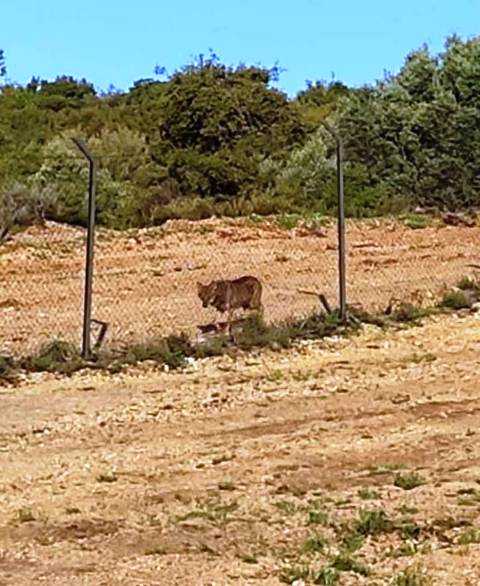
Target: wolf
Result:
[227, 296]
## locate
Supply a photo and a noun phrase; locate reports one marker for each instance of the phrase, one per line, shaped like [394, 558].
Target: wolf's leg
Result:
[257, 305]
[257, 299]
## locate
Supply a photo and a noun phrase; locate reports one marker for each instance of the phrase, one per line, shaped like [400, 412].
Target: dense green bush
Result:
[307, 178]
[21, 206]
[220, 122]
[214, 139]
[418, 133]
[64, 170]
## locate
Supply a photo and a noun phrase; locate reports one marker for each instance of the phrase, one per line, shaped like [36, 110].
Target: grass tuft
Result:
[408, 481]
[456, 300]
[469, 284]
[412, 576]
[471, 535]
[408, 313]
[7, 368]
[372, 522]
[290, 574]
[57, 356]
[316, 517]
[367, 494]
[170, 351]
[416, 221]
[346, 563]
[315, 544]
[327, 576]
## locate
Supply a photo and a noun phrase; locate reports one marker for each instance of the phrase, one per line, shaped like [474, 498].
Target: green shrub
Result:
[412, 576]
[290, 574]
[226, 135]
[368, 494]
[408, 313]
[327, 576]
[171, 351]
[471, 535]
[314, 544]
[372, 522]
[22, 205]
[352, 542]
[416, 221]
[289, 221]
[346, 563]
[56, 356]
[456, 300]
[408, 481]
[414, 130]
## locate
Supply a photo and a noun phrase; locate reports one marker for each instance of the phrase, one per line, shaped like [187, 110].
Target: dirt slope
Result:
[145, 280]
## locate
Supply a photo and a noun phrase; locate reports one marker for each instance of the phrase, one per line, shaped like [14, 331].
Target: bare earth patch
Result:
[355, 458]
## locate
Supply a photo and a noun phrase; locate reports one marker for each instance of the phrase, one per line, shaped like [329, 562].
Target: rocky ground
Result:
[346, 461]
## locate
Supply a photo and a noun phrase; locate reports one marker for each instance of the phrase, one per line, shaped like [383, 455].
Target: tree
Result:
[65, 173]
[64, 92]
[320, 100]
[215, 139]
[68, 87]
[22, 206]
[23, 127]
[219, 122]
[418, 133]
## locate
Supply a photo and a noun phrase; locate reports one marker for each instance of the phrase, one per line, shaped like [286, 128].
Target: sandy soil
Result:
[145, 280]
[251, 470]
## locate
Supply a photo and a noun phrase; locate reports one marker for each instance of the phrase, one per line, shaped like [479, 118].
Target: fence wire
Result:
[145, 280]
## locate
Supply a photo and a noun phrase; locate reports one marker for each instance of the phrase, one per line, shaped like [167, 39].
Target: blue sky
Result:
[119, 41]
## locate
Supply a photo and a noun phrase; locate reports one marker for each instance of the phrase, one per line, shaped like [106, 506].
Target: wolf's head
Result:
[207, 293]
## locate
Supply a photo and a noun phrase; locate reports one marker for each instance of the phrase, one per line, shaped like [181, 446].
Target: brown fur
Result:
[242, 293]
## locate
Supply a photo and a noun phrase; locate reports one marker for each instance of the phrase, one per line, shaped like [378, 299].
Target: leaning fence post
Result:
[87, 307]
[342, 264]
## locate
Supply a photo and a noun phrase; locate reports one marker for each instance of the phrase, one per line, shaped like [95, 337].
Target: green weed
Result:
[327, 576]
[412, 576]
[368, 494]
[469, 536]
[456, 300]
[408, 481]
[416, 221]
[315, 544]
[372, 522]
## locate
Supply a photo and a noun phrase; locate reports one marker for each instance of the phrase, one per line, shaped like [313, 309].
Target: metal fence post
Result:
[87, 307]
[342, 264]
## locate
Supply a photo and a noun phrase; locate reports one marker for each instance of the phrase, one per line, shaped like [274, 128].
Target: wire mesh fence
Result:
[389, 261]
[145, 280]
